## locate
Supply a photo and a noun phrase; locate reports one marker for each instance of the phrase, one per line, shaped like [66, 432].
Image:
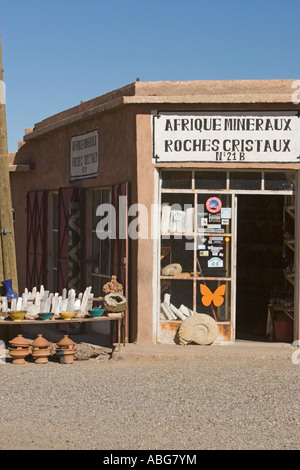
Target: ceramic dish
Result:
[17, 315]
[45, 316]
[96, 313]
[67, 315]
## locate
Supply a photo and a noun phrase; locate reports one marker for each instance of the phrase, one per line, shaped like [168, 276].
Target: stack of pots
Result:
[66, 350]
[40, 350]
[19, 349]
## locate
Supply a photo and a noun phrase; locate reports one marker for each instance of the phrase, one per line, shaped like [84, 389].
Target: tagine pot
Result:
[40, 350]
[19, 349]
[10, 294]
[66, 350]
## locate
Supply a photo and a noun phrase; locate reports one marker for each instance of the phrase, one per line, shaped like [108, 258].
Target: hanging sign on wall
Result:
[84, 156]
[224, 137]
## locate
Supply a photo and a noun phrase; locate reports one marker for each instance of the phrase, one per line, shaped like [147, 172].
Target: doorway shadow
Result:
[260, 262]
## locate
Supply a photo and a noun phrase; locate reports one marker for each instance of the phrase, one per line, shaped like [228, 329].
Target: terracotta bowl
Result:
[67, 315]
[17, 315]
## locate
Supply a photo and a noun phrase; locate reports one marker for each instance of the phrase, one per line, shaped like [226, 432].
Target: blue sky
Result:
[57, 53]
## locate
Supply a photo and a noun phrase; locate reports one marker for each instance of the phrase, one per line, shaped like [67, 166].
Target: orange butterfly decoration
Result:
[209, 297]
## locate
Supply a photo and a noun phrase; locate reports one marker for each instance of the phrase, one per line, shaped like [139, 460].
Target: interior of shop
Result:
[265, 259]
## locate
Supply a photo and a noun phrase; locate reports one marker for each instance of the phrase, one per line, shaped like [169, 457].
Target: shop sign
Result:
[227, 138]
[84, 156]
[215, 262]
[213, 204]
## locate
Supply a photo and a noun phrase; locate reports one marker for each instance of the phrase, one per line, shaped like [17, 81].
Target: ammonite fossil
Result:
[171, 269]
[198, 328]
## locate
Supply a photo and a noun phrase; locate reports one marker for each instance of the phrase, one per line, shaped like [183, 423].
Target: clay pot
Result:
[66, 350]
[18, 354]
[19, 349]
[19, 341]
[40, 350]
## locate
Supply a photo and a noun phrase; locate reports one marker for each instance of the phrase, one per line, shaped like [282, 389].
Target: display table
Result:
[119, 317]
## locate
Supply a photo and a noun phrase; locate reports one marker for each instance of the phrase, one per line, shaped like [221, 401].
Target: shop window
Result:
[195, 250]
[101, 248]
[176, 297]
[245, 180]
[177, 179]
[213, 298]
[216, 220]
[278, 181]
[202, 218]
[210, 180]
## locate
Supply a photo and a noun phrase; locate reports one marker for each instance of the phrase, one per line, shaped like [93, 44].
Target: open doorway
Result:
[261, 262]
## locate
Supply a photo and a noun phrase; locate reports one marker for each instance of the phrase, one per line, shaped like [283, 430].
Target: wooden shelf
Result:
[114, 316]
[176, 277]
[120, 317]
[289, 311]
[290, 243]
[165, 250]
[290, 210]
[198, 277]
[290, 277]
[178, 234]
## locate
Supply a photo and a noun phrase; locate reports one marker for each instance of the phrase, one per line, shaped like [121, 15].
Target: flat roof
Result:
[175, 92]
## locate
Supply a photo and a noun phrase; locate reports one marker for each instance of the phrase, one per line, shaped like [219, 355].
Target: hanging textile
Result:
[74, 273]
[70, 224]
[37, 238]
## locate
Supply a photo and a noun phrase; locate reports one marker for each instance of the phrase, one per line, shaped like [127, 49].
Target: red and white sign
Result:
[213, 204]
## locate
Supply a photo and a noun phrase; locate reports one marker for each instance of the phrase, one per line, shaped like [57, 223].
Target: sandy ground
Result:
[165, 397]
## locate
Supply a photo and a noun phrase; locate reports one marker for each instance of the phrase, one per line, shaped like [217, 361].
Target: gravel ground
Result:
[218, 398]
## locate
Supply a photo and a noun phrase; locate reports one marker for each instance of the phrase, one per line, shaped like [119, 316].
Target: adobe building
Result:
[214, 167]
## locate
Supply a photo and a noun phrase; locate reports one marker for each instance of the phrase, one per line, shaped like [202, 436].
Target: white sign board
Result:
[84, 156]
[198, 137]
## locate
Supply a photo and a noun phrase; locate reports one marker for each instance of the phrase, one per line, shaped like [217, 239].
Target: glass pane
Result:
[178, 294]
[106, 196]
[55, 210]
[213, 256]
[210, 180]
[54, 285]
[245, 180]
[95, 286]
[105, 256]
[279, 181]
[55, 248]
[214, 214]
[213, 298]
[95, 254]
[176, 259]
[176, 179]
[177, 214]
[97, 200]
